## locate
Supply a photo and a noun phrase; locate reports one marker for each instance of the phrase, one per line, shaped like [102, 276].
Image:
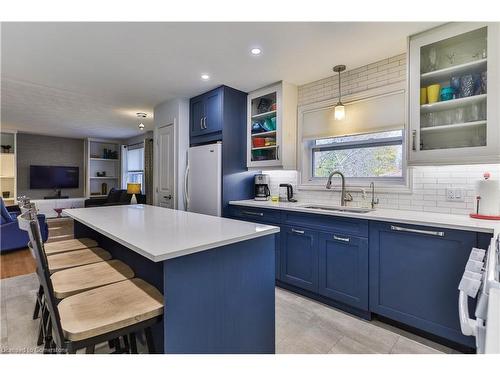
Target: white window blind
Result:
[135, 159]
[375, 114]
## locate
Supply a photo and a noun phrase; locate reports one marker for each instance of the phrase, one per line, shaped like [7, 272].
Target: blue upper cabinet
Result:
[206, 113]
[343, 269]
[414, 276]
[197, 115]
[299, 257]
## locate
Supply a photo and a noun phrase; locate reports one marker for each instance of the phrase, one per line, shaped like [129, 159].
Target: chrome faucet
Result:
[374, 200]
[344, 195]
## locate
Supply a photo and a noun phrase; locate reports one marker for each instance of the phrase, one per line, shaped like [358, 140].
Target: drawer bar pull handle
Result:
[253, 213]
[419, 231]
[297, 231]
[345, 239]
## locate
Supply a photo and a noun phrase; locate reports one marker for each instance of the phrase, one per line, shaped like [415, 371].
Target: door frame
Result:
[156, 163]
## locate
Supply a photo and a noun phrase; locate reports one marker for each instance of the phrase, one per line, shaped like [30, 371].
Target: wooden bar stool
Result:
[79, 279]
[98, 315]
[69, 245]
[77, 258]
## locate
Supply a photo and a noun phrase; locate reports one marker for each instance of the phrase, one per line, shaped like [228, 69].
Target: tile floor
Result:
[302, 326]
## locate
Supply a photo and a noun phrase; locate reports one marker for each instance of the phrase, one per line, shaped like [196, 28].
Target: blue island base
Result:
[217, 301]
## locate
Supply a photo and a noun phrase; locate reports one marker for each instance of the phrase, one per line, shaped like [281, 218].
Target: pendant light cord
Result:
[340, 91]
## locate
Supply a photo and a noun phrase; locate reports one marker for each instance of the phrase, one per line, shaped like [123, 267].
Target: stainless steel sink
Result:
[338, 208]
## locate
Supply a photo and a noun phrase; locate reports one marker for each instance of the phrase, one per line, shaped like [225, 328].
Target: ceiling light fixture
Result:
[141, 116]
[255, 51]
[339, 107]
[205, 77]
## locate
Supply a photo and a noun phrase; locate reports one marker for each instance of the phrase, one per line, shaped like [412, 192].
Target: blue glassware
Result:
[455, 85]
[446, 94]
[476, 77]
[466, 86]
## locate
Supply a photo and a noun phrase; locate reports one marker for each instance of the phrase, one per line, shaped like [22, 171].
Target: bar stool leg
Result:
[37, 303]
[133, 343]
[149, 340]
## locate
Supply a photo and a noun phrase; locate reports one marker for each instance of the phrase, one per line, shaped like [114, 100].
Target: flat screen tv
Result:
[53, 177]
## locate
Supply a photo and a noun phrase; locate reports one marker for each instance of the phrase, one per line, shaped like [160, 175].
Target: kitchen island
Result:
[216, 275]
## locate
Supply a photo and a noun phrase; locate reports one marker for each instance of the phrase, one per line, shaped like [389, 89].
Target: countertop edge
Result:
[181, 252]
[484, 226]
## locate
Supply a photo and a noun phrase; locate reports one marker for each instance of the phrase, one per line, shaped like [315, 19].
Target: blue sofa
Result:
[11, 237]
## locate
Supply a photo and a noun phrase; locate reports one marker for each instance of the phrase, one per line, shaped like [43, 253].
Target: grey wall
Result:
[33, 149]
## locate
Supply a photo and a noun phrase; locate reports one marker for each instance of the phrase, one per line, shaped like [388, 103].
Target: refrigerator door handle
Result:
[186, 193]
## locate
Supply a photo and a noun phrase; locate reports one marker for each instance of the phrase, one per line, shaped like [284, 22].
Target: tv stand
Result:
[57, 197]
[48, 206]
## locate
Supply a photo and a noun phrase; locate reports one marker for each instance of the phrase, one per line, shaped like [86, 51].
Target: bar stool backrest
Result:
[28, 221]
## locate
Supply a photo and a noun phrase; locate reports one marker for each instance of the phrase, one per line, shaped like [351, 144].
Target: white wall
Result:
[175, 111]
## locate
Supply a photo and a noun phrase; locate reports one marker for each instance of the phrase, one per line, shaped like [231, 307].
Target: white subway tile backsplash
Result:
[425, 195]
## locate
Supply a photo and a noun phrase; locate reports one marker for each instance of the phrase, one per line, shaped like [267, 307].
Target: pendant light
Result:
[339, 107]
[141, 116]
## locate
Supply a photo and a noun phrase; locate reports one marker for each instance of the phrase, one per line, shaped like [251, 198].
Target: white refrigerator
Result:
[203, 179]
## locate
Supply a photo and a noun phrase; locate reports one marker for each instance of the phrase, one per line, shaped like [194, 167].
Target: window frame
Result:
[368, 143]
[384, 184]
[132, 147]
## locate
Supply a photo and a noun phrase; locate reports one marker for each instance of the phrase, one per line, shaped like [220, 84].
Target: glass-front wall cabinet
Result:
[453, 83]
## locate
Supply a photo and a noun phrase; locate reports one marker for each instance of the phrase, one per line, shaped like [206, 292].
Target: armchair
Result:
[11, 237]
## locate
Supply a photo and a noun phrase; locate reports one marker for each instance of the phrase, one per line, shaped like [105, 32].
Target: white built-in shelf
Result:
[104, 178]
[264, 115]
[264, 148]
[103, 159]
[263, 134]
[450, 104]
[462, 125]
[446, 73]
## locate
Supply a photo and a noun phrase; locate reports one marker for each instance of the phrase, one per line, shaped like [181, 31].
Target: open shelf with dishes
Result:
[450, 94]
[270, 121]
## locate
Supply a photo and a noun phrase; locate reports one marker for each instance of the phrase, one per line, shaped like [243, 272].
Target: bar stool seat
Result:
[77, 258]
[79, 279]
[109, 308]
[68, 245]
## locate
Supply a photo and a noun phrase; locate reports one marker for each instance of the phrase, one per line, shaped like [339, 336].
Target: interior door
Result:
[165, 187]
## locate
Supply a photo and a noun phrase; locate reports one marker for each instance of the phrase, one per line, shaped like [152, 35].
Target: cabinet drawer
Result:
[256, 214]
[329, 223]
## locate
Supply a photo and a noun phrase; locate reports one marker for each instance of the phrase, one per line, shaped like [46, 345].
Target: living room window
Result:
[135, 164]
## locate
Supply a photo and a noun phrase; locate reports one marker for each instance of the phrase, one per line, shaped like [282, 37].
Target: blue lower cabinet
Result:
[299, 257]
[343, 269]
[414, 276]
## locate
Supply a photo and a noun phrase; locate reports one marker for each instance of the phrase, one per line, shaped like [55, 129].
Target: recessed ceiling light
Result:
[256, 51]
[205, 77]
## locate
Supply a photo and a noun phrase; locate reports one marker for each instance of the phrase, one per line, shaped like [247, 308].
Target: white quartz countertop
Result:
[160, 233]
[449, 221]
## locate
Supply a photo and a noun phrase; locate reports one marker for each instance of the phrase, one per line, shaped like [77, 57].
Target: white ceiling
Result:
[89, 79]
